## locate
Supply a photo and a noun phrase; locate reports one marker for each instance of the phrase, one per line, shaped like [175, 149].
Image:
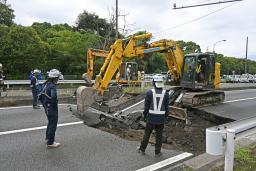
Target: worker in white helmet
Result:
[128, 73]
[155, 113]
[34, 84]
[49, 100]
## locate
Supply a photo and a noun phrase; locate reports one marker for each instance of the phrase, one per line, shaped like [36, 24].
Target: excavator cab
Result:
[198, 71]
[128, 72]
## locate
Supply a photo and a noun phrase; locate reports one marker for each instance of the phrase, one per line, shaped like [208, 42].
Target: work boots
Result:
[36, 107]
[54, 145]
[140, 151]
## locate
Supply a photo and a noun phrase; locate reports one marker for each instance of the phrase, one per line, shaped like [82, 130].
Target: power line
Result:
[205, 4]
[195, 19]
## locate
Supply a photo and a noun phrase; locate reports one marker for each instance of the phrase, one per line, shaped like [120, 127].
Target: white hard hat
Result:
[54, 73]
[159, 81]
[1, 65]
[129, 66]
[36, 71]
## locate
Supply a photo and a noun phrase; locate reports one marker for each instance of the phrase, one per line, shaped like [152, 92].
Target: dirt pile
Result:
[177, 135]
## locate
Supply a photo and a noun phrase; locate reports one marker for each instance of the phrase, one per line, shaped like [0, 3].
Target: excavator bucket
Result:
[177, 112]
[86, 96]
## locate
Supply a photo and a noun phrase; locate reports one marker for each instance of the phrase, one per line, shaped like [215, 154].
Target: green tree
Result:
[23, 51]
[69, 50]
[92, 22]
[4, 30]
[229, 64]
[188, 47]
[6, 13]
[41, 29]
[46, 30]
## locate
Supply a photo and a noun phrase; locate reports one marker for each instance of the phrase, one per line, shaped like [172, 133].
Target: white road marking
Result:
[234, 91]
[133, 105]
[37, 128]
[17, 107]
[166, 162]
[238, 100]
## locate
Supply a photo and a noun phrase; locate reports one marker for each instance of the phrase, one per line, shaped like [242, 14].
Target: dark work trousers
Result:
[52, 116]
[148, 130]
[35, 97]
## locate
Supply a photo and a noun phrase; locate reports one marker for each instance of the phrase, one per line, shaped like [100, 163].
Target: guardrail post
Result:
[230, 148]
[142, 84]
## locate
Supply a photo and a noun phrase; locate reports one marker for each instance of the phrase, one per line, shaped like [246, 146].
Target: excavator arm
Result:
[91, 54]
[173, 56]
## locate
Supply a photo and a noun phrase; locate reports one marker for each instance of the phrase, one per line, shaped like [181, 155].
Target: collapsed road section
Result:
[123, 117]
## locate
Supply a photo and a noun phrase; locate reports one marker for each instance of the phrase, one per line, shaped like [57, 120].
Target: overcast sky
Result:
[203, 25]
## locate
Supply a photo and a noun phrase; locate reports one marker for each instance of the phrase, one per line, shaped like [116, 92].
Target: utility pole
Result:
[198, 5]
[246, 52]
[116, 19]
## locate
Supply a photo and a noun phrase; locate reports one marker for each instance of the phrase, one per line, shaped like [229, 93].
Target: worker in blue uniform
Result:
[50, 103]
[34, 84]
[155, 113]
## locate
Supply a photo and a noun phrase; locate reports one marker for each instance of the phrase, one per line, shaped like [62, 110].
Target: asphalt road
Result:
[84, 148]
[239, 104]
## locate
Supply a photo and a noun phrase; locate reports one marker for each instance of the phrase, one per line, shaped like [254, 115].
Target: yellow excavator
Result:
[197, 74]
[91, 54]
[121, 76]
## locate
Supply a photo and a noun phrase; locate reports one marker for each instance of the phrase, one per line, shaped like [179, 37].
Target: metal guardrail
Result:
[222, 138]
[22, 82]
[27, 82]
[222, 85]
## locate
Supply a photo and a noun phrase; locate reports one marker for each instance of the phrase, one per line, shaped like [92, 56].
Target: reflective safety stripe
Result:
[156, 112]
[157, 107]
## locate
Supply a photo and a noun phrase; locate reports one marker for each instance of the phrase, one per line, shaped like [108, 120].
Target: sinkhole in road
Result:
[177, 134]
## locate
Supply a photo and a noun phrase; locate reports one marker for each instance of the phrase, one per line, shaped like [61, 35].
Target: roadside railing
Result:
[144, 83]
[27, 82]
[221, 139]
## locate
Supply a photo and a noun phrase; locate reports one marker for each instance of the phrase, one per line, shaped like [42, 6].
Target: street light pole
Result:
[213, 50]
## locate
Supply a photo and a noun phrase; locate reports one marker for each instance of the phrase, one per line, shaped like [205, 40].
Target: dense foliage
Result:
[6, 13]
[61, 46]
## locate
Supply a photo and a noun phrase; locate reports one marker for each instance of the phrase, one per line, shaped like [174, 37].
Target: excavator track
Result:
[185, 99]
[194, 99]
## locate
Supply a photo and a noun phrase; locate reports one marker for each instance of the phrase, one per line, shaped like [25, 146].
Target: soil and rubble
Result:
[177, 135]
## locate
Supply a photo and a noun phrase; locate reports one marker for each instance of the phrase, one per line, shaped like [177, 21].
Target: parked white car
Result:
[235, 78]
[244, 78]
[252, 78]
